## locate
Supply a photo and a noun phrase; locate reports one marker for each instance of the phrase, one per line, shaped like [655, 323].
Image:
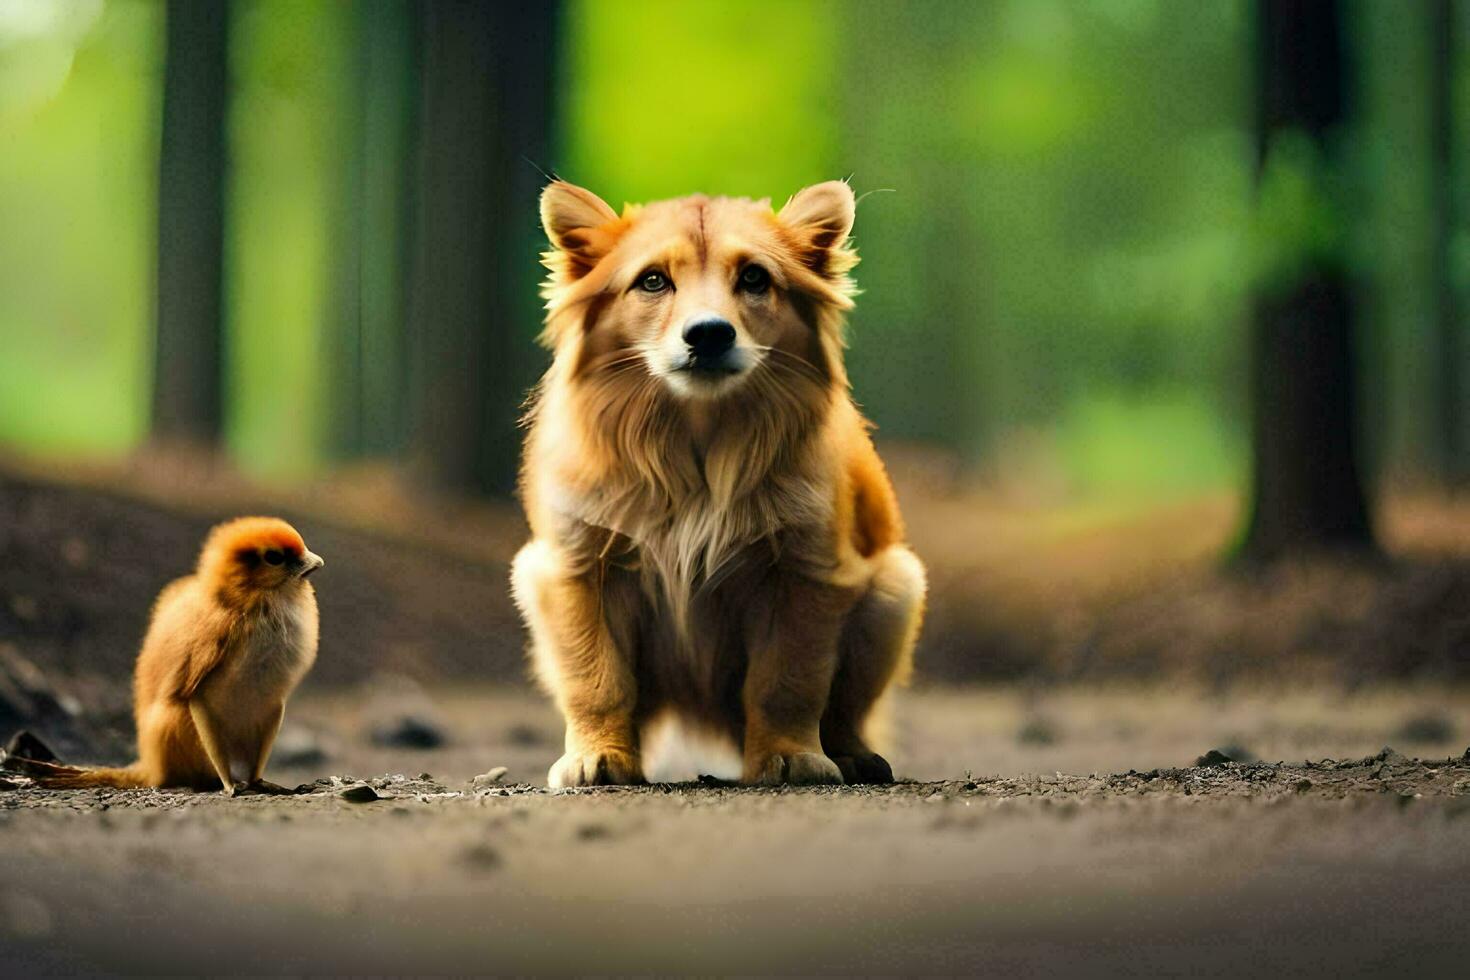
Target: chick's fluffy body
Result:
[225, 647]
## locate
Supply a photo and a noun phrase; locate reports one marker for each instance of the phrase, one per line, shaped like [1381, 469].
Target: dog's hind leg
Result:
[876, 651]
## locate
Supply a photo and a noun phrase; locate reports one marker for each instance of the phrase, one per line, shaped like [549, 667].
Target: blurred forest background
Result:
[1147, 286]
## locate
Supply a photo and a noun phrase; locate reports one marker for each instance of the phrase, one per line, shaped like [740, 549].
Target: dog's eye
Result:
[653, 282]
[274, 557]
[754, 279]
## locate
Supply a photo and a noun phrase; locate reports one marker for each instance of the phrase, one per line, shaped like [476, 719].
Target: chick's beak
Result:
[309, 563]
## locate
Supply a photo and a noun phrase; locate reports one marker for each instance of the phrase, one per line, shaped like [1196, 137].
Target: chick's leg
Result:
[269, 730]
[208, 731]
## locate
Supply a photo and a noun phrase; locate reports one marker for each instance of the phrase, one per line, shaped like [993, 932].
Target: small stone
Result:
[1429, 727]
[1037, 731]
[408, 732]
[1237, 752]
[362, 793]
[593, 831]
[27, 745]
[488, 780]
[1213, 759]
[1391, 757]
[525, 735]
[1302, 785]
[481, 857]
[298, 747]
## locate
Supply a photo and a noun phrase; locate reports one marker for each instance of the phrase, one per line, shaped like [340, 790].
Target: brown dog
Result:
[713, 533]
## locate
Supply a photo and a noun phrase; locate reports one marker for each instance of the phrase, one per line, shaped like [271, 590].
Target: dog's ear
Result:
[581, 226]
[821, 218]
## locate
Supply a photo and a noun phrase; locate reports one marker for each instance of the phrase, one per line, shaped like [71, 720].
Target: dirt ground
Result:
[1018, 590]
[1050, 823]
[1357, 864]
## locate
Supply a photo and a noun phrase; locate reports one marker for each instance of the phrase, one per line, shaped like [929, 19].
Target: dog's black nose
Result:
[709, 337]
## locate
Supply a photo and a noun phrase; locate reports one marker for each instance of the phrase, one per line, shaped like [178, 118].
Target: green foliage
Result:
[666, 98]
[1145, 446]
[78, 155]
[1072, 213]
[1064, 246]
[289, 140]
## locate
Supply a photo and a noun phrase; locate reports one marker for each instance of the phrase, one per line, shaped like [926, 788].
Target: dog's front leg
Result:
[590, 674]
[792, 656]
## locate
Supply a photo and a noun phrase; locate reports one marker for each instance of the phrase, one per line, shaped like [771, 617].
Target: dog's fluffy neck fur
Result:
[691, 490]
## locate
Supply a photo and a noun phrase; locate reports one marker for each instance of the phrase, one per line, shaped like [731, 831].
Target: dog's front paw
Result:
[794, 769]
[593, 768]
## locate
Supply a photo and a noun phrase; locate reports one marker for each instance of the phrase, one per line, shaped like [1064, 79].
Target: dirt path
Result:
[1332, 868]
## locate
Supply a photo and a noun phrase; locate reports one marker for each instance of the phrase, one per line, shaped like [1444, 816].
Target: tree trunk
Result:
[391, 48]
[1307, 494]
[370, 229]
[1452, 441]
[343, 342]
[485, 111]
[924, 277]
[188, 354]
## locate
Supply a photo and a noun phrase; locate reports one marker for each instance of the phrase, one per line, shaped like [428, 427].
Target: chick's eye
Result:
[653, 282]
[754, 279]
[274, 557]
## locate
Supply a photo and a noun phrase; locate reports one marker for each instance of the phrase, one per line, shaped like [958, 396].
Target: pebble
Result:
[408, 732]
[1037, 731]
[26, 745]
[482, 857]
[1429, 727]
[1391, 757]
[298, 747]
[525, 735]
[593, 831]
[362, 793]
[488, 780]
